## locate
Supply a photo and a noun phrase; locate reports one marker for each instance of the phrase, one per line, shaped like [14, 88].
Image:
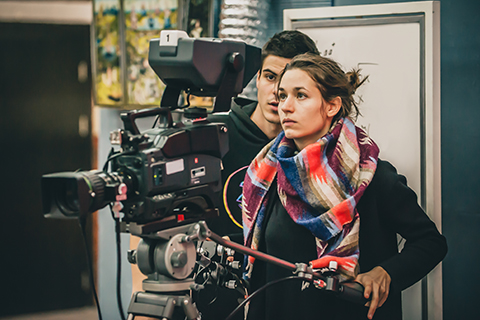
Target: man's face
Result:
[267, 84]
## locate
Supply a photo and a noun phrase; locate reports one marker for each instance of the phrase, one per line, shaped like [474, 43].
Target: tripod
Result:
[168, 258]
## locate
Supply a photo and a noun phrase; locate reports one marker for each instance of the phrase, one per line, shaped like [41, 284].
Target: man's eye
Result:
[270, 77]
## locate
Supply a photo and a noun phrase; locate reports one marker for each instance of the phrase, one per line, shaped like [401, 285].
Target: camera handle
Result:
[129, 118]
[351, 291]
[235, 63]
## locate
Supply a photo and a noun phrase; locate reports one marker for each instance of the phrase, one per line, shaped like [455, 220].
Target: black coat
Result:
[387, 208]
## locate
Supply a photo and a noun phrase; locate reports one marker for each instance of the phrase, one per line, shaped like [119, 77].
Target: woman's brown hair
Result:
[331, 80]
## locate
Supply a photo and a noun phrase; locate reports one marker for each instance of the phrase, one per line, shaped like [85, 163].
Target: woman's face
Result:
[304, 114]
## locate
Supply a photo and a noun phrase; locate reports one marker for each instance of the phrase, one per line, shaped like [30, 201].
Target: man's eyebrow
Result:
[268, 70]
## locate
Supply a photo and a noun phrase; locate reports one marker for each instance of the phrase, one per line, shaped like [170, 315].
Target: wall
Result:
[460, 156]
[275, 16]
[460, 86]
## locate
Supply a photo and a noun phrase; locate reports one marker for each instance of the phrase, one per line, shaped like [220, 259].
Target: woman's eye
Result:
[301, 95]
[282, 96]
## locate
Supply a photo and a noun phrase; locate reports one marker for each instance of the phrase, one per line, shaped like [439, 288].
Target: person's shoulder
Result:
[243, 102]
[243, 107]
[240, 108]
[385, 175]
[385, 167]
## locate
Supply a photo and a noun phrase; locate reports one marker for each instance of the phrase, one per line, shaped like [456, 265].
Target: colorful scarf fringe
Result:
[319, 187]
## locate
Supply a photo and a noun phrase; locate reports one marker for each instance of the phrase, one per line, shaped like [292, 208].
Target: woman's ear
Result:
[333, 107]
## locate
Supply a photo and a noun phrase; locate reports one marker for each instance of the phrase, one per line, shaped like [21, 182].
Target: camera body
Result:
[171, 168]
[154, 174]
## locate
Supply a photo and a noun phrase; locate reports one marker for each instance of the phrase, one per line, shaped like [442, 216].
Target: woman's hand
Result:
[377, 285]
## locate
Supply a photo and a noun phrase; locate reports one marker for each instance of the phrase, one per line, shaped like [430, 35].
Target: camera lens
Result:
[67, 198]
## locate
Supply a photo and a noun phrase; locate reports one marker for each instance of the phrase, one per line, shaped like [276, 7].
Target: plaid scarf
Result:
[319, 187]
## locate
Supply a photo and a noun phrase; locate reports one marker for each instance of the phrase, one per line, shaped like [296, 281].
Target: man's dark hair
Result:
[288, 44]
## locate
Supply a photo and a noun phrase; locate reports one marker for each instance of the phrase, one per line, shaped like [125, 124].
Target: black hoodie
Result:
[245, 142]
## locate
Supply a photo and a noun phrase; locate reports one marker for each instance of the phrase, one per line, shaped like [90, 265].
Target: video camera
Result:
[173, 168]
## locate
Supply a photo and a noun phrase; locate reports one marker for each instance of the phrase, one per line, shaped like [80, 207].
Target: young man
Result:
[252, 124]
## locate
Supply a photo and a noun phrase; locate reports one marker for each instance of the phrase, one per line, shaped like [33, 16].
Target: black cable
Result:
[110, 157]
[155, 122]
[105, 166]
[83, 222]
[264, 287]
[119, 268]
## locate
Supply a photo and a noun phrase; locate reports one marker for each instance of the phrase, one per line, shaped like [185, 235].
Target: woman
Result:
[318, 193]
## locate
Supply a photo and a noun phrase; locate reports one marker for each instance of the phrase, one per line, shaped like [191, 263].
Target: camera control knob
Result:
[132, 256]
[236, 61]
[179, 259]
[232, 284]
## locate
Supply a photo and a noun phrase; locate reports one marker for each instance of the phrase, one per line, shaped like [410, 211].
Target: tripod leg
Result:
[190, 310]
[159, 306]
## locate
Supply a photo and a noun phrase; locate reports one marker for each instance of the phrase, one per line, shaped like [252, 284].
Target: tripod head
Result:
[168, 258]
